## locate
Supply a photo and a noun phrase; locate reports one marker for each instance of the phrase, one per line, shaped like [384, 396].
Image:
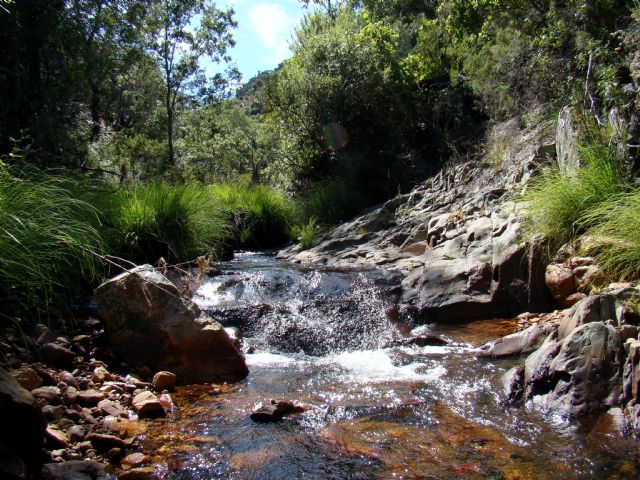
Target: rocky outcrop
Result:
[22, 423]
[149, 323]
[455, 238]
[586, 364]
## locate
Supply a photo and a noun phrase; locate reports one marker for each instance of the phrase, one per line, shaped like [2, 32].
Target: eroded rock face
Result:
[585, 375]
[454, 238]
[149, 323]
[22, 421]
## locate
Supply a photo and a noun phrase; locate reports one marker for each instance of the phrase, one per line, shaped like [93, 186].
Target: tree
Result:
[182, 32]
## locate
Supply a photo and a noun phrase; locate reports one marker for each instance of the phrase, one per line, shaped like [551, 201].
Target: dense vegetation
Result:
[116, 144]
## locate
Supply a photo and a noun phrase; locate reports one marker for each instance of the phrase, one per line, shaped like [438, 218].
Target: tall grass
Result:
[48, 239]
[556, 203]
[177, 223]
[333, 201]
[262, 215]
[614, 235]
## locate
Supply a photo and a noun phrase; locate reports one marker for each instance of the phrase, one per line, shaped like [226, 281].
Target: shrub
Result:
[262, 215]
[613, 235]
[49, 238]
[556, 203]
[178, 223]
[333, 201]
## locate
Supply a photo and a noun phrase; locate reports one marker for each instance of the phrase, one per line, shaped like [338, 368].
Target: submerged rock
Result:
[275, 411]
[149, 323]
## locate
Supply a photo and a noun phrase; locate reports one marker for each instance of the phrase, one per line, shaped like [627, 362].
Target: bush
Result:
[556, 204]
[262, 215]
[613, 237]
[178, 223]
[333, 201]
[49, 238]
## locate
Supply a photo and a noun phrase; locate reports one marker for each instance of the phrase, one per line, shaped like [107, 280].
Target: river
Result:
[377, 405]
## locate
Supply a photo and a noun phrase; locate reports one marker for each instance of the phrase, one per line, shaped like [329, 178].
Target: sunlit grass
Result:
[49, 238]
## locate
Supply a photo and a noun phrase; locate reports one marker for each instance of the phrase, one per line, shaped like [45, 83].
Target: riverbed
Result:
[377, 404]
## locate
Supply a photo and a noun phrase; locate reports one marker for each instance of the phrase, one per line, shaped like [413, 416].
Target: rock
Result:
[137, 474]
[164, 381]
[585, 374]
[114, 454]
[427, 341]
[167, 402]
[76, 433]
[587, 277]
[75, 470]
[90, 397]
[596, 308]
[147, 405]
[275, 411]
[560, 281]
[103, 442]
[133, 459]
[513, 384]
[48, 376]
[23, 424]
[56, 355]
[52, 413]
[56, 438]
[27, 377]
[149, 323]
[70, 395]
[567, 142]
[101, 375]
[112, 408]
[517, 343]
[49, 394]
[69, 379]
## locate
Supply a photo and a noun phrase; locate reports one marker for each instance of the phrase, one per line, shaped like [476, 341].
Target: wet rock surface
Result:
[275, 411]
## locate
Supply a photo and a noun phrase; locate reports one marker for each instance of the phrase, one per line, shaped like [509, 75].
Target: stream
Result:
[378, 405]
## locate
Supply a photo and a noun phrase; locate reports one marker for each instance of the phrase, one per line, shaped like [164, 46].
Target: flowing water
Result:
[377, 405]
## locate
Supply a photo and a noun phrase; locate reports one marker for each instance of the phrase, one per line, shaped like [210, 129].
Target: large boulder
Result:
[579, 374]
[149, 323]
[22, 423]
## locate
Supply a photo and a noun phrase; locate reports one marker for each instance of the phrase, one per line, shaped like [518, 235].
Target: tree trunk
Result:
[170, 156]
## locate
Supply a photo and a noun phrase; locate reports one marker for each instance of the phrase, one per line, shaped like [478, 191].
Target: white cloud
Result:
[272, 24]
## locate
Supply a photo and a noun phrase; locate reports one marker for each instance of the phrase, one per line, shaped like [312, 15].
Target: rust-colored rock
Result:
[561, 282]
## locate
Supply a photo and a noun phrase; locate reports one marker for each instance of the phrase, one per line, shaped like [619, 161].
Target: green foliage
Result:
[613, 237]
[559, 205]
[307, 233]
[262, 215]
[177, 223]
[49, 238]
[333, 201]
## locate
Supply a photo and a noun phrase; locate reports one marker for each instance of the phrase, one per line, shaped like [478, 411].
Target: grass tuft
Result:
[556, 203]
[177, 223]
[49, 236]
[613, 236]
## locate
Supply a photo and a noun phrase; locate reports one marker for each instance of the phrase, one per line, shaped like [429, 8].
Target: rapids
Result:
[377, 405]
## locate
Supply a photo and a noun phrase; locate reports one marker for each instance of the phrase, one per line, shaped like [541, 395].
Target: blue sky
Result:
[263, 32]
